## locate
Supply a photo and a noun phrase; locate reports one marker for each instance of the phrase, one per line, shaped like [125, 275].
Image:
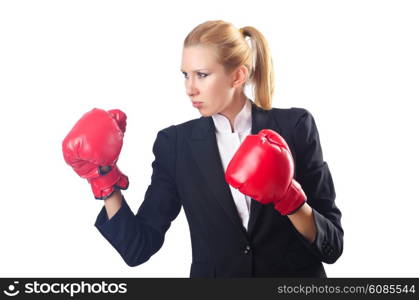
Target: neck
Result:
[233, 110]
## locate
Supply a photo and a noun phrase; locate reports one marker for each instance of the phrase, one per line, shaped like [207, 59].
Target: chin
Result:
[205, 113]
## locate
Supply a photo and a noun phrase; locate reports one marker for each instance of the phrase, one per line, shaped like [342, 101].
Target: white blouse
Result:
[228, 143]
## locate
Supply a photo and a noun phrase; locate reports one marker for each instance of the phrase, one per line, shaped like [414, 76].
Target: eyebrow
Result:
[198, 70]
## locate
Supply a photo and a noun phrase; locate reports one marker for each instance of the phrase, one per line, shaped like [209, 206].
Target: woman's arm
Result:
[320, 210]
[113, 203]
[303, 221]
[138, 236]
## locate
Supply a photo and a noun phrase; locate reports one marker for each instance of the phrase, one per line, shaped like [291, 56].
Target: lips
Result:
[197, 104]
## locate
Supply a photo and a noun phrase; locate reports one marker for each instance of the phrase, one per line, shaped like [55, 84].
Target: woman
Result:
[232, 234]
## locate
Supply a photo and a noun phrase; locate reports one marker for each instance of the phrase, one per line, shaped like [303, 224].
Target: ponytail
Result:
[263, 72]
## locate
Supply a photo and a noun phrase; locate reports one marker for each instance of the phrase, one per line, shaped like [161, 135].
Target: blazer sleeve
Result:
[314, 176]
[138, 237]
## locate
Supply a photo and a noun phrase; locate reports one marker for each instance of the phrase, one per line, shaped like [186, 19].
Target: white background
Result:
[353, 64]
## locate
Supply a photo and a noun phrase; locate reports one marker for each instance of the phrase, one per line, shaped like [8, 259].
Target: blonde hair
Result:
[232, 51]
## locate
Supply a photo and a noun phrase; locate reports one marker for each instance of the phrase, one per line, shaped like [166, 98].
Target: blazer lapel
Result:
[205, 152]
[203, 144]
[261, 119]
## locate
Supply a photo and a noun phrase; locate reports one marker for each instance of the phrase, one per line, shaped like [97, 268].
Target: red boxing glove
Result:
[263, 169]
[94, 142]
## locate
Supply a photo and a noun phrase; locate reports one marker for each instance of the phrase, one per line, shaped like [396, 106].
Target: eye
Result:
[202, 75]
[185, 74]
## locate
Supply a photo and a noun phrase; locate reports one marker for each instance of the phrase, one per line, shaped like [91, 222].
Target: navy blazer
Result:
[188, 173]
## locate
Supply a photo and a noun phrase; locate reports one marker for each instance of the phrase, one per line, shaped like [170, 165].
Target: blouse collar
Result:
[242, 122]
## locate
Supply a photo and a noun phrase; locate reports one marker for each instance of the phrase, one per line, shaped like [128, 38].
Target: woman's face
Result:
[207, 84]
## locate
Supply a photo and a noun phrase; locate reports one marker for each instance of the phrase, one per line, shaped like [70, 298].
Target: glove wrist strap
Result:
[292, 200]
[103, 186]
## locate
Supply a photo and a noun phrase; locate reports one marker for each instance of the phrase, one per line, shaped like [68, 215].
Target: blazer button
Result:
[247, 250]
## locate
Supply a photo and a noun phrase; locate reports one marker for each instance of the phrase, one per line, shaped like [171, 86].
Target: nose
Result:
[191, 89]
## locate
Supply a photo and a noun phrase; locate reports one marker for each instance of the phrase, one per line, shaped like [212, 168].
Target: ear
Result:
[239, 76]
